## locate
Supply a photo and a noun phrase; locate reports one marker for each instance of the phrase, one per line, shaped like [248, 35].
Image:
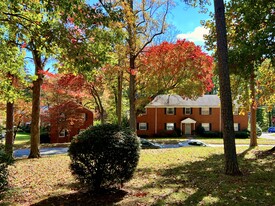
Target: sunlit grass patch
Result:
[181, 176]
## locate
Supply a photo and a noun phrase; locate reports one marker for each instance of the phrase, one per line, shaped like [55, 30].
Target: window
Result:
[236, 111]
[188, 111]
[170, 126]
[142, 126]
[236, 127]
[84, 116]
[63, 133]
[206, 126]
[170, 111]
[205, 111]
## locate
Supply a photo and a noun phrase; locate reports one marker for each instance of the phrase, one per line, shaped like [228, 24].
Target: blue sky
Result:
[188, 21]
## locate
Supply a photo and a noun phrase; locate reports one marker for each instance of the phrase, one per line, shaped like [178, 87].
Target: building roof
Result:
[174, 100]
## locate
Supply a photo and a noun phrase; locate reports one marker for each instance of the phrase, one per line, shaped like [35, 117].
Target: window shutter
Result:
[183, 110]
[164, 110]
[210, 127]
[137, 126]
[165, 128]
[191, 110]
[210, 111]
[174, 126]
[147, 126]
[239, 126]
[175, 109]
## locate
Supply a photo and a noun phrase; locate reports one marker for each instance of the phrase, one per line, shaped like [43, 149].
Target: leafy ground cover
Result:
[181, 176]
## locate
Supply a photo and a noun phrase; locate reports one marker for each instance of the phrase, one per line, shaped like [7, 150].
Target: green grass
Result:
[194, 176]
[213, 140]
[22, 137]
[181, 176]
[22, 140]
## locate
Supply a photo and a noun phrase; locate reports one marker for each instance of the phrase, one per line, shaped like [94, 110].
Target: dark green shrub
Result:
[5, 160]
[200, 130]
[26, 128]
[211, 134]
[178, 132]
[45, 137]
[104, 156]
[242, 134]
[167, 133]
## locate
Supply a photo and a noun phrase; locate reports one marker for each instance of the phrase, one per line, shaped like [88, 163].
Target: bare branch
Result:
[156, 34]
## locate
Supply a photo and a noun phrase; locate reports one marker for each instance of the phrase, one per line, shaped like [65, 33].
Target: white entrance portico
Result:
[189, 125]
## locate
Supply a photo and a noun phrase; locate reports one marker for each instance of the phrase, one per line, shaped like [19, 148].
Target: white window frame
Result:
[62, 133]
[142, 126]
[206, 126]
[189, 109]
[170, 126]
[170, 110]
[205, 111]
[236, 127]
[84, 116]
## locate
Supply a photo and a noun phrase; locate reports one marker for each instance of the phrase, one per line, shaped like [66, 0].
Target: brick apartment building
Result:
[167, 113]
[73, 118]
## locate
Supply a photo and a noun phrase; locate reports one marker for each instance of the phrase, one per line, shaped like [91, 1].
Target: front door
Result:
[187, 128]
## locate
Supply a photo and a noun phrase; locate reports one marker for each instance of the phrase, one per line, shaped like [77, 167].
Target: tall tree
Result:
[142, 21]
[180, 67]
[231, 163]
[250, 38]
[37, 26]
[12, 75]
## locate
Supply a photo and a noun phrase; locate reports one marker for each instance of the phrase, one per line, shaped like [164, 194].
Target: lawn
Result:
[261, 141]
[181, 176]
[22, 140]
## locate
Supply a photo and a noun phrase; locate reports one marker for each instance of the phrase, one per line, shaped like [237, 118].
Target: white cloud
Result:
[195, 36]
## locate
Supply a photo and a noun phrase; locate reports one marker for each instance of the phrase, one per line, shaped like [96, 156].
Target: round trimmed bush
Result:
[104, 156]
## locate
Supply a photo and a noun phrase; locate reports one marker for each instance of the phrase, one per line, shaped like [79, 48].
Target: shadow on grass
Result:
[106, 198]
[204, 183]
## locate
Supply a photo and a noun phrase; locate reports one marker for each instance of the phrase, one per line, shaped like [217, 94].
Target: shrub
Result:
[200, 130]
[242, 134]
[167, 133]
[104, 156]
[211, 134]
[5, 160]
[45, 137]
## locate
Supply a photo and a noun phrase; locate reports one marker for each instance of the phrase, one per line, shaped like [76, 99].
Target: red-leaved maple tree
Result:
[180, 67]
[62, 97]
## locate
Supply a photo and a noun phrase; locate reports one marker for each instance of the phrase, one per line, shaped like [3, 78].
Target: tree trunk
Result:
[231, 163]
[253, 108]
[132, 94]
[119, 96]
[35, 122]
[35, 116]
[9, 129]
[99, 104]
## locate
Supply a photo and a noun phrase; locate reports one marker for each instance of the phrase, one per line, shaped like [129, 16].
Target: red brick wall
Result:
[54, 134]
